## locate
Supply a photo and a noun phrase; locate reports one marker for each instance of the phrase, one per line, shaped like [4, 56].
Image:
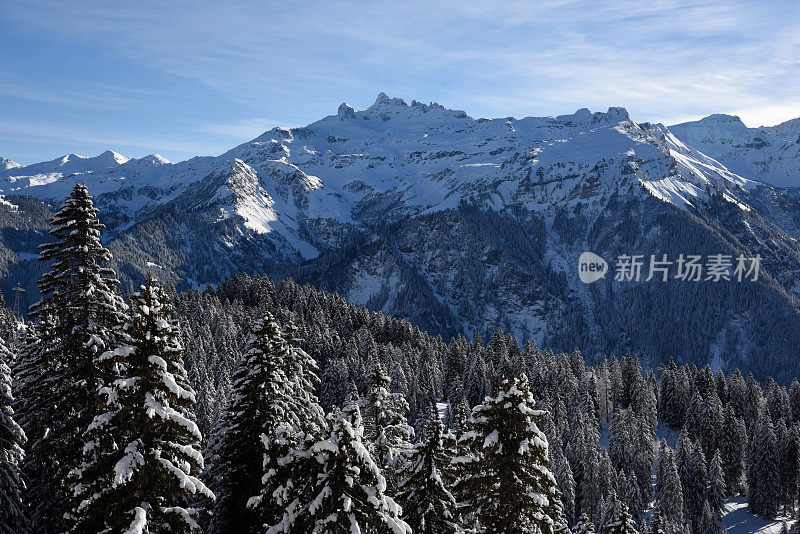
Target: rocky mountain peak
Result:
[6, 164]
[384, 102]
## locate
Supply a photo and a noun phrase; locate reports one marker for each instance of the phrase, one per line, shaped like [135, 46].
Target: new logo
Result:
[591, 267]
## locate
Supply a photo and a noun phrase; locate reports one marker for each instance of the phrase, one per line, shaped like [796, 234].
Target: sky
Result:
[185, 78]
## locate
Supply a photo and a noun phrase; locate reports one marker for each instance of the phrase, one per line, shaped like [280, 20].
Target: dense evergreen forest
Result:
[261, 407]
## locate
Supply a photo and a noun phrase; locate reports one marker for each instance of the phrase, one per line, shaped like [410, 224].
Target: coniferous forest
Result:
[276, 408]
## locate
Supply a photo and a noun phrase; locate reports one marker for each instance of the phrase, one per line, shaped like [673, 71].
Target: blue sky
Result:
[184, 78]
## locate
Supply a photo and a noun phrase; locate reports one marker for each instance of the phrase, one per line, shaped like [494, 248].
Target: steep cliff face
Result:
[460, 225]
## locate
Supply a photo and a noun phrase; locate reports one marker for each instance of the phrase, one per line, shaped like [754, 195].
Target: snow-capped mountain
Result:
[397, 159]
[6, 164]
[769, 153]
[458, 224]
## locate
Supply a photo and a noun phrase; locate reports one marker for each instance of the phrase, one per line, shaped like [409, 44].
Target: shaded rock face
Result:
[459, 225]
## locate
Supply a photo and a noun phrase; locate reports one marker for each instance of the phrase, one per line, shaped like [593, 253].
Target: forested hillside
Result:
[266, 407]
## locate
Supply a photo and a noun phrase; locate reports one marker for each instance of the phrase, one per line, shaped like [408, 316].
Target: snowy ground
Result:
[739, 520]
[441, 407]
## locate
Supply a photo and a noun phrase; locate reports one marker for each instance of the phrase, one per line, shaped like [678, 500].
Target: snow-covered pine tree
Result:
[81, 304]
[289, 469]
[455, 366]
[334, 383]
[672, 396]
[428, 503]
[348, 492]
[617, 518]
[706, 418]
[301, 370]
[590, 484]
[794, 400]
[258, 404]
[709, 522]
[716, 492]
[733, 448]
[564, 479]
[692, 469]
[271, 412]
[658, 466]
[583, 526]
[385, 425]
[33, 401]
[13, 516]
[607, 480]
[143, 451]
[505, 480]
[656, 523]
[476, 385]
[557, 514]
[763, 483]
[629, 492]
[458, 417]
[788, 464]
[669, 502]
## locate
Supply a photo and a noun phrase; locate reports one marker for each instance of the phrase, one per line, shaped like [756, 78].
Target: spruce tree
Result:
[428, 503]
[287, 468]
[794, 400]
[385, 425]
[692, 469]
[656, 523]
[505, 481]
[458, 417]
[82, 311]
[709, 522]
[557, 514]
[788, 464]
[33, 402]
[716, 493]
[257, 405]
[347, 494]
[583, 526]
[13, 515]
[564, 479]
[763, 483]
[733, 448]
[617, 518]
[670, 499]
[272, 411]
[142, 452]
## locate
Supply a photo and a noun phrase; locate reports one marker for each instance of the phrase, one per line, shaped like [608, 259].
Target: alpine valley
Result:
[464, 225]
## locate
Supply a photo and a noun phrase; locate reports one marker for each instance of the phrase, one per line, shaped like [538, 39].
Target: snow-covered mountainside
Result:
[6, 164]
[769, 153]
[458, 224]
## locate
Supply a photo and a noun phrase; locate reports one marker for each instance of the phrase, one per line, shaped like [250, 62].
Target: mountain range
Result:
[465, 225]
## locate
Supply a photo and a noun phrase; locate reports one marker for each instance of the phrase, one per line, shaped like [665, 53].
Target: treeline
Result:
[320, 416]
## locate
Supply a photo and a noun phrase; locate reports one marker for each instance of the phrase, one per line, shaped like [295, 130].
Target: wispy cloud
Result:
[665, 61]
[84, 95]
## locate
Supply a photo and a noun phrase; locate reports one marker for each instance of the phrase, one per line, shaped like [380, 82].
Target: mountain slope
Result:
[770, 153]
[461, 225]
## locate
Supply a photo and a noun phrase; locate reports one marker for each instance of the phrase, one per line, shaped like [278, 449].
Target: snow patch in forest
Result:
[441, 409]
[739, 520]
